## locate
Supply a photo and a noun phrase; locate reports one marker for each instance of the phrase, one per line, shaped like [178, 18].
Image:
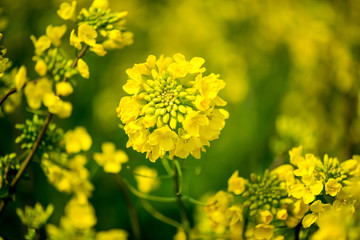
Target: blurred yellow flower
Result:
[56, 106]
[103, 4]
[66, 11]
[36, 90]
[318, 208]
[265, 216]
[20, 78]
[35, 217]
[77, 140]
[98, 49]
[64, 89]
[110, 158]
[75, 40]
[55, 33]
[41, 68]
[41, 44]
[146, 179]
[332, 187]
[80, 215]
[113, 234]
[263, 231]
[282, 214]
[87, 34]
[83, 68]
[162, 115]
[236, 184]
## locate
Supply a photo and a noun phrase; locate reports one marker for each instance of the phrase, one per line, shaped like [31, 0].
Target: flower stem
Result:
[179, 200]
[130, 206]
[159, 216]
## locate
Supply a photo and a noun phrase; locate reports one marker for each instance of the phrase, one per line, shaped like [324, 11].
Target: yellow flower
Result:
[103, 4]
[55, 33]
[64, 89]
[20, 78]
[75, 40]
[306, 190]
[98, 49]
[332, 187]
[87, 34]
[113, 234]
[77, 140]
[236, 184]
[265, 217]
[41, 67]
[263, 231]
[56, 106]
[66, 11]
[35, 92]
[318, 208]
[40, 44]
[281, 214]
[83, 68]
[110, 158]
[163, 95]
[146, 179]
[80, 215]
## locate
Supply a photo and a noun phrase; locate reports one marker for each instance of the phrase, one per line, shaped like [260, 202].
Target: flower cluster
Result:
[304, 192]
[173, 108]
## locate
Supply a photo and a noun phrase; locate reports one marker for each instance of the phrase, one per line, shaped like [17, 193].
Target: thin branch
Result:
[3, 98]
[130, 206]
[179, 201]
[159, 216]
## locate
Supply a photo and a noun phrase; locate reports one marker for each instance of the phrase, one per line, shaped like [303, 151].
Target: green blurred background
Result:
[292, 73]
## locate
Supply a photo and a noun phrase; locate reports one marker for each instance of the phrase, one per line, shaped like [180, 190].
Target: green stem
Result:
[167, 166]
[159, 216]
[130, 206]
[147, 196]
[179, 201]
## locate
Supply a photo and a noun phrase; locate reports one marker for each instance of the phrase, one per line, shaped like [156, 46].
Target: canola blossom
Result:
[172, 108]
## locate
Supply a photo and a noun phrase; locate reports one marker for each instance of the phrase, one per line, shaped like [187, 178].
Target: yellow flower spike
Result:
[83, 68]
[236, 184]
[103, 4]
[55, 33]
[113, 234]
[35, 92]
[41, 44]
[56, 106]
[87, 34]
[80, 215]
[41, 68]
[64, 89]
[332, 187]
[166, 99]
[110, 158]
[20, 78]
[75, 40]
[77, 140]
[66, 11]
[146, 179]
[98, 49]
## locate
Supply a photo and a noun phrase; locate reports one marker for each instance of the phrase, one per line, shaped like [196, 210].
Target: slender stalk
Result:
[37, 142]
[147, 196]
[159, 216]
[3, 98]
[297, 231]
[130, 206]
[179, 201]
[26, 162]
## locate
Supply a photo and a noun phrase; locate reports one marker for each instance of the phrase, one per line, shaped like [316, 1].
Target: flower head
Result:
[110, 158]
[173, 108]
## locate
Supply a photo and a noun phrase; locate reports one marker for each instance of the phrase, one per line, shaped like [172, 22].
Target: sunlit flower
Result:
[64, 89]
[318, 208]
[80, 215]
[36, 90]
[236, 184]
[41, 67]
[162, 115]
[57, 106]
[41, 44]
[20, 78]
[332, 187]
[83, 68]
[55, 33]
[87, 34]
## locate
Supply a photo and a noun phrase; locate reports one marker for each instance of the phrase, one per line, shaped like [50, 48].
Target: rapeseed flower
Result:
[110, 158]
[146, 179]
[173, 108]
[77, 140]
